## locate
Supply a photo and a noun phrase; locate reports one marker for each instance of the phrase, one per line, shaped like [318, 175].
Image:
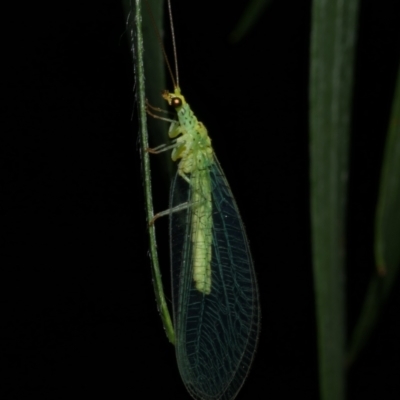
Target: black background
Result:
[79, 315]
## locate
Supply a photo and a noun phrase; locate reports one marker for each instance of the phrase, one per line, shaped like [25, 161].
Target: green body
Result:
[193, 148]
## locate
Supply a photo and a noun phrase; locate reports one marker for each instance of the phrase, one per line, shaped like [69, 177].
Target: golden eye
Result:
[176, 102]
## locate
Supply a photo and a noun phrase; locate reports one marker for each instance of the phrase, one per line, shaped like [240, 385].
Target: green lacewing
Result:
[216, 311]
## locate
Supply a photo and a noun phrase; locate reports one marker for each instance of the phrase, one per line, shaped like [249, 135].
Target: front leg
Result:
[161, 148]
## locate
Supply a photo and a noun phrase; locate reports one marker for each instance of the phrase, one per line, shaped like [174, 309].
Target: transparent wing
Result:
[216, 333]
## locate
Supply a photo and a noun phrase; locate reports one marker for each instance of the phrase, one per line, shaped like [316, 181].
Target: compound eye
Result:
[176, 102]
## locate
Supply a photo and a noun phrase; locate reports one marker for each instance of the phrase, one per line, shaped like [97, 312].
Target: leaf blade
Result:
[331, 67]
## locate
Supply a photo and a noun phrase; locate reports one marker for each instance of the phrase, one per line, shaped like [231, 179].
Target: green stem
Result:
[141, 101]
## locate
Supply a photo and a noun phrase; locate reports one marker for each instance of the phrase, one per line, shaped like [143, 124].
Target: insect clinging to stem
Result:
[216, 313]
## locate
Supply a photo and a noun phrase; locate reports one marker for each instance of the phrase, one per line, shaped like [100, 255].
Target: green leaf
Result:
[249, 18]
[387, 226]
[333, 35]
[387, 234]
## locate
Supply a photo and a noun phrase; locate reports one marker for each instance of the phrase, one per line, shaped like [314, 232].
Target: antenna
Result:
[171, 22]
[153, 21]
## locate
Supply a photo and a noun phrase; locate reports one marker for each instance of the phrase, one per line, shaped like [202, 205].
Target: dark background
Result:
[79, 315]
